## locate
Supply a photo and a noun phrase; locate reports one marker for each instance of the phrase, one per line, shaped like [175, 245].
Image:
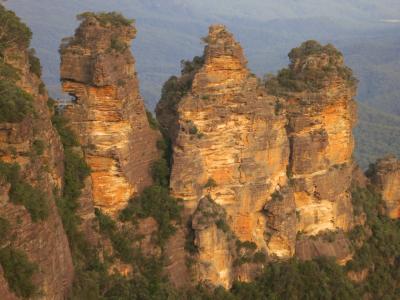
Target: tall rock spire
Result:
[230, 146]
[107, 112]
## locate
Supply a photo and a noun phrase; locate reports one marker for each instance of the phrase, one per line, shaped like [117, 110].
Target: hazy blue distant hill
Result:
[170, 30]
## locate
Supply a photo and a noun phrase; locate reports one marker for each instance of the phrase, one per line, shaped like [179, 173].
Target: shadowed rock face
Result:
[43, 241]
[385, 175]
[108, 114]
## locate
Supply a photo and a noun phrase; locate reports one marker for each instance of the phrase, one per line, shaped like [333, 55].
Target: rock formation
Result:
[27, 198]
[318, 90]
[230, 144]
[385, 175]
[107, 112]
[279, 165]
[321, 114]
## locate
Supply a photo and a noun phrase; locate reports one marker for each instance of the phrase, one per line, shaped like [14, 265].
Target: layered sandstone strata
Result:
[107, 111]
[321, 113]
[385, 175]
[34, 145]
[229, 143]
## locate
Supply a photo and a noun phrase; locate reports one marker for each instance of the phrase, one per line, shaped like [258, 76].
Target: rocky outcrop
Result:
[107, 111]
[278, 165]
[319, 91]
[229, 142]
[385, 175]
[27, 138]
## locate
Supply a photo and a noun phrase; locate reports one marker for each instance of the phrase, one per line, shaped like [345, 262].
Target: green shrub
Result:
[8, 72]
[34, 63]
[211, 183]
[174, 89]
[13, 31]
[106, 224]
[18, 272]
[68, 137]
[4, 228]
[246, 245]
[118, 45]
[160, 172]
[21, 192]
[309, 79]
[152, 121]
[42, 88]
[299, 280]
[222, 225]
[38, 147]
[259, 257]
[277, 196]
[155, 202]
[15, 103]
[107, 18]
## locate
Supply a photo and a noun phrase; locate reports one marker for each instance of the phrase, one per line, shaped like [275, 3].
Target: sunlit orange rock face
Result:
[385, 175]
[228, 133]
[322, 143]
[278, 166]
[108, 113]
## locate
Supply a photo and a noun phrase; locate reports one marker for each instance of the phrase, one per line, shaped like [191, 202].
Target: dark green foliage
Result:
[34, 63]
[15, 104]
[8, 72]
[189, 242]
[107, 18]
[317, 279]
[155, 202]
[4, 228]
[152, 121]
[160, 172]
[259, 257]
[21, 192]
[12, 31]
[309, 79]
[18, 272]
[107, 225]
[75, 172]
[118, 45]
[211, 183]
[277, 196]
[192, 128]
[175, 88]
[42, 88]
[222, 225]
[381, 250]
[38, 147]
[67, 136]
[246, 245]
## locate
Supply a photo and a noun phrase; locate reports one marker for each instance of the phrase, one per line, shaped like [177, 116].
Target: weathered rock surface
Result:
[321, 120]
[385, 175]
[278, 166]
[229, 144]
[108, 114]
[44, 241]
[214, 242]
